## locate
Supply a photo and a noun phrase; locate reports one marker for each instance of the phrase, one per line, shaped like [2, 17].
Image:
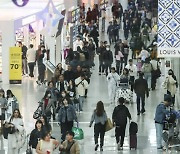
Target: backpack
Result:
[133, 128]
[147, 68]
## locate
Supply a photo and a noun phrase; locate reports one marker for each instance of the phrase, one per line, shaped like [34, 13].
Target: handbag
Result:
[78, 133]
[108, 125]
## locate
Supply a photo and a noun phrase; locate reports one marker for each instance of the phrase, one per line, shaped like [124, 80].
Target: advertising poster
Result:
[15, 65]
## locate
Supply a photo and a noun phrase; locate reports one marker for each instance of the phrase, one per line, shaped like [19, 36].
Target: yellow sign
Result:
[15, 65]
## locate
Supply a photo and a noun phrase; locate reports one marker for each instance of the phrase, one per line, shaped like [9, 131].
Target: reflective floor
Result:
[29, 94]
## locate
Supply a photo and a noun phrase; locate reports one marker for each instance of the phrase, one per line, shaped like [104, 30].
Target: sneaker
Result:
[159, 148]
[99, 73]
[143, 112]
[101, 148]
[138, 113]
[118, 147]
[96, 147]
[121, 148]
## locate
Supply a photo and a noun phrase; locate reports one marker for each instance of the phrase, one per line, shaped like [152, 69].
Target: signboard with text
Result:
[169, 28]
[15, 65]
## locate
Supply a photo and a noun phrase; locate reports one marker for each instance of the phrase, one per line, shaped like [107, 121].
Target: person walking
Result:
[70, 146]
[35, 136]
[16, 139]
[154, 73]
[110, 32]
[108, 59]
[160, 115]
[41, 67]
[141, 89]
[100, 117]
[12, 104]
[172, 84]
[24, 58]
[81, 86]
[31, 58]
[112, 79]
[66, 117]
[100, 51]
[132, 73]
[147, 68]
[48, 103]
[119, 119]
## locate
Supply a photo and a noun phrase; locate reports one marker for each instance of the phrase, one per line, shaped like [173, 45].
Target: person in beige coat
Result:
[70, 146]
[171, 84]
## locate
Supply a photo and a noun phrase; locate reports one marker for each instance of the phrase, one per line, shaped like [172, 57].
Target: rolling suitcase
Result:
[133, 129]
[133, 142]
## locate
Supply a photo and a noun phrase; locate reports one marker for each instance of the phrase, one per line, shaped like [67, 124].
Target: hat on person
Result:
[168, 98]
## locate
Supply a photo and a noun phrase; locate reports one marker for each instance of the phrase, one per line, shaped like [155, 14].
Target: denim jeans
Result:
[159, 132]
[147, 76]
[81, 101]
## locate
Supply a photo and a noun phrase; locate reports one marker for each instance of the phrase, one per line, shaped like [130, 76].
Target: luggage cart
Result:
[171, 135]
[123, 90]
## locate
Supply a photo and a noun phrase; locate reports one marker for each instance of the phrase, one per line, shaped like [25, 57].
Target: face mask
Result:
[49, 95]
[42, 49]
[63, 95]
[107, 49]
[170, 73]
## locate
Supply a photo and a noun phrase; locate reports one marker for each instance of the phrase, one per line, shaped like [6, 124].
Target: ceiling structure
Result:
[9, 11]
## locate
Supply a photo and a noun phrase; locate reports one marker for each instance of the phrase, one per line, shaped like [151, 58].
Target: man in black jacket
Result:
[100, 52]
[107, 59]
[141, 88]
[119, 118]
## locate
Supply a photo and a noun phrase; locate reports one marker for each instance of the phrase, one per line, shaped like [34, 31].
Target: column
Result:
[8, 40]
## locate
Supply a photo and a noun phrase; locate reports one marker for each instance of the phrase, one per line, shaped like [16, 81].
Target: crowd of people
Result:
[67, 90]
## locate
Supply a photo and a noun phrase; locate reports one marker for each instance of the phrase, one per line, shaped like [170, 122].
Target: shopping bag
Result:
[108, 125]
[78, 133]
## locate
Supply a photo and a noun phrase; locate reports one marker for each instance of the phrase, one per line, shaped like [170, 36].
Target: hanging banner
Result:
[15, 65]
[169, 28]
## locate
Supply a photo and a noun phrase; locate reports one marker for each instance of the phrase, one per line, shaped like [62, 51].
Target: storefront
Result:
[25, 24]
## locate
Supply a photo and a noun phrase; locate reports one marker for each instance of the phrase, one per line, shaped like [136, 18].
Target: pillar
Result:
[8, 40]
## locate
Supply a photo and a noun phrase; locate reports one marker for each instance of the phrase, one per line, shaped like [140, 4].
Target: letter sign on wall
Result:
[169, 28]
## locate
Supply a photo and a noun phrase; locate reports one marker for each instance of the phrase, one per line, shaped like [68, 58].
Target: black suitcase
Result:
[133, 142]
[133, 129]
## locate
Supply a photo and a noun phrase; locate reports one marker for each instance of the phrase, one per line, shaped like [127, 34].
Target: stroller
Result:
[171, 131]
[38, 111]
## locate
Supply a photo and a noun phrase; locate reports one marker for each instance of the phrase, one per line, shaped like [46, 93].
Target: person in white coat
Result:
[81, 86]
[112, 79]
[132, 68]
[16, 140]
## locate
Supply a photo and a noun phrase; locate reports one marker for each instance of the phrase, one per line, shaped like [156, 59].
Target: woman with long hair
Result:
[36, 135]
[17, 137]
[100, 118]
[172, 84]
[46, 126]
[12, 103]
[48, 103]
